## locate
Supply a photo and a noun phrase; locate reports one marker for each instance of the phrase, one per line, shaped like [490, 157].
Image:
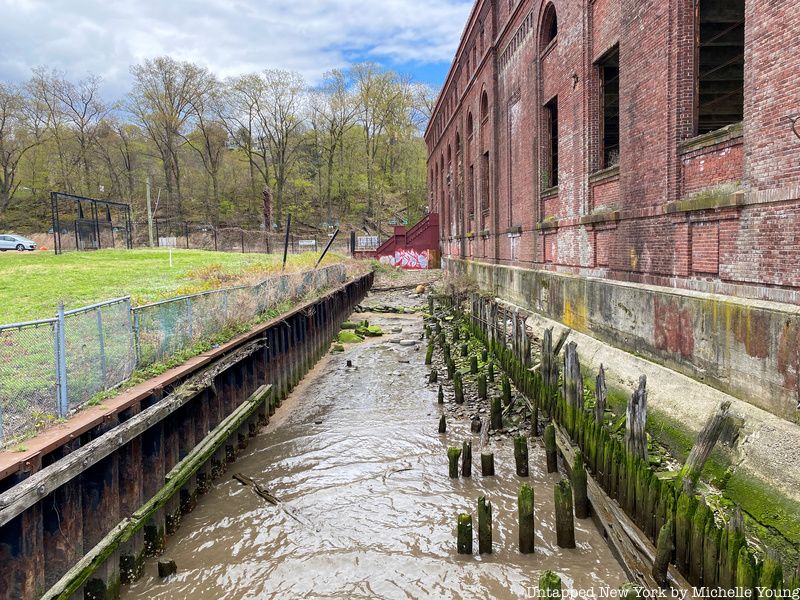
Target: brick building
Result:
[647, 142]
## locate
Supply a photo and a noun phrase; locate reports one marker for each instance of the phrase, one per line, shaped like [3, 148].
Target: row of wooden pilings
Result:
[79, 519]
[708, 548]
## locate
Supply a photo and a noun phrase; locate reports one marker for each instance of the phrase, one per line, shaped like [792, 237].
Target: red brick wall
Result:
[663, 232]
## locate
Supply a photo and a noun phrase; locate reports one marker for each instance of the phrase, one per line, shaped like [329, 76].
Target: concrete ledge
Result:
[749, 349]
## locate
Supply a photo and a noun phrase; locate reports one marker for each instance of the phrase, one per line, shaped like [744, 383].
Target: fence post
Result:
[101, 337]
[61, 365]
[137, 352]
[242, 241]
[225, 305]
[189, 316]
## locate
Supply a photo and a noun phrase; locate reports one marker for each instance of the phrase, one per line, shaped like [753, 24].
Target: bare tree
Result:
[162, 101]
[22, 125]
[333, 114]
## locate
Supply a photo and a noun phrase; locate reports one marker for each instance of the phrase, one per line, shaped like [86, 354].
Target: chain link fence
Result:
[52, 367]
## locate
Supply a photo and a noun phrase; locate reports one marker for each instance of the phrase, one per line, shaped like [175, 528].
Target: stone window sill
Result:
[712, 138]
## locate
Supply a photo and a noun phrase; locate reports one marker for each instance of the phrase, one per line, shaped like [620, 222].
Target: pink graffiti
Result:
[407, 259]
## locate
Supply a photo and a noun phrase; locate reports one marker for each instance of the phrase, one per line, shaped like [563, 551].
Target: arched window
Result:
[469, 125]
[484, 106]
[549, 25]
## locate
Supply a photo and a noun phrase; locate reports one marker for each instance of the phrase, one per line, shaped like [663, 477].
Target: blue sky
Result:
[105, 37]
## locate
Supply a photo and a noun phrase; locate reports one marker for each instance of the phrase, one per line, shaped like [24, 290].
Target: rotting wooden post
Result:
[456, 334]
[442, 424]
[579, 487]
[600, 395]
[490, 372]
[429, 355]
[701, 515]
[487, 464]
[550, 448]
[464, 350]
[746, 574]
[711, 550]
[705, 444]
[771, 574]
[451, 369]
[664, 549]
[440, 396]
[731, 541]
[434, 376]
[550, 585]
[482, 386]
[153, 470]
[525, 514]
[484, 526]
[458, 388]
[186, 441]
[636, 420]
[496, 411]
[565, 523]
[172, 508]
[466, 459]
[521, 455]
[473, 365]
[506, 390]
[684, 514]
[453, 454]
[464, 533]
[484, 355]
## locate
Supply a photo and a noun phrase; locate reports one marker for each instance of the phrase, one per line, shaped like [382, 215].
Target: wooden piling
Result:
[496, 412]
[453, 454]
[664, 549]
[526, 523]
[458, 388]
[565, 523]
[466, 459]
[464, 534]
[429, 355]
[484, 526]
[484, 355]
[550, 585]
[600, 396]
[550, 448]
[442, 425]
[490, 372]
[771, 573]
[705, 444]
[440, 395]
[521, 455]
[434, 376]
[482, 386]
[636, 420]
[473, 365]
[464, 350]
[487, 464]
[746, 573]
[684, 514]
[711, 548]
[701, 515]
[506, 390]
[579, 487]
[731, 541]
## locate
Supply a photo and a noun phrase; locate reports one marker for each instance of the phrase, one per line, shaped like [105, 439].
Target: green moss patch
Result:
[347, 336]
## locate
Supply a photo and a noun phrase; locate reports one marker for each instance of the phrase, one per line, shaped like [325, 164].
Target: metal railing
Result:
[51, 367]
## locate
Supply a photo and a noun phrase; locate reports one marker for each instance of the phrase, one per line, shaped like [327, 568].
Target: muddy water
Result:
[368, 509]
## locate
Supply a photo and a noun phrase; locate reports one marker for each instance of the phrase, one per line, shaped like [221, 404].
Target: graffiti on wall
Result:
[407, 258]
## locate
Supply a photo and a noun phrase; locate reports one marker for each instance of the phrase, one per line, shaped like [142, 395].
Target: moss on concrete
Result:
[347, 336]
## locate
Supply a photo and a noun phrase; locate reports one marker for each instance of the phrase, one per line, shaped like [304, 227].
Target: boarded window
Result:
[485, 183]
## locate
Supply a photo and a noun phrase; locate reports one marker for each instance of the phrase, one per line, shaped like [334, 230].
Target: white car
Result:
[16, 242]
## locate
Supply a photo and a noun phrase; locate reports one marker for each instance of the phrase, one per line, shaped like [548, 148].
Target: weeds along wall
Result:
[52, 367]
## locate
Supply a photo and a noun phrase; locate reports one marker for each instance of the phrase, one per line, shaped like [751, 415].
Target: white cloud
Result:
[227, 36]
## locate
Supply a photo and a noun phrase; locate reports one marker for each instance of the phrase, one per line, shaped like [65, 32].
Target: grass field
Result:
[32, 284]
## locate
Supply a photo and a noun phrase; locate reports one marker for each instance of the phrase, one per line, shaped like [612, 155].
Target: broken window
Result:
[550, 173]
[471, 192]
[609, 109]
[719, 35]
[485, 183]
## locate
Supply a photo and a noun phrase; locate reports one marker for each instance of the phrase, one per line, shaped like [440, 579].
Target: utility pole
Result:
[149, 214]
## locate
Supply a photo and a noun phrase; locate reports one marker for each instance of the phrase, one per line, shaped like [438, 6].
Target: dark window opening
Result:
[549, 26]
[719, 35]
[484, 106]
[485, 183]
[471, 192]
[609, 109]
[550, 173]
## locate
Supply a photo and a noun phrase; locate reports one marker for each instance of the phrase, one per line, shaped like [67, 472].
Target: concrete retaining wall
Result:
[747, 348]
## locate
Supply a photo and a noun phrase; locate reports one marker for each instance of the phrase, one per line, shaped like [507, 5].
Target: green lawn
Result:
[33, 283]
